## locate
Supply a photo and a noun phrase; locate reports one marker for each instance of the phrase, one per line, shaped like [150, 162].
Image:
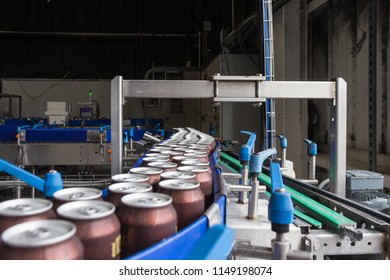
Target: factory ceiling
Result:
[99, 39]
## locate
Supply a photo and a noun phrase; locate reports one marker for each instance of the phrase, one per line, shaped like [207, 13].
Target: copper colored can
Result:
[129, 178]
[187, 198]
[171, 154]
[179, 159]
[16, 211]
[118, 190]
[42, 240]
[75, 194]
[165, 166]
[182, 175]
[146, 218]
[153, 173]
[197, 162]
[204, 178]
[98, 227]
[201, 156]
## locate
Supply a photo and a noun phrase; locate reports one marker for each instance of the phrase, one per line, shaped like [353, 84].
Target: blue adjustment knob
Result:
[283, 141]
[280, 207]
[312, 147]
[53, 183]
[245, 153]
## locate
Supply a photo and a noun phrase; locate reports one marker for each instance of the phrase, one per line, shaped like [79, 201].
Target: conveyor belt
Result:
[320, 211]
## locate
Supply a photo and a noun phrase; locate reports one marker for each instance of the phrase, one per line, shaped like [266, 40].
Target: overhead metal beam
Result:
[239, 89]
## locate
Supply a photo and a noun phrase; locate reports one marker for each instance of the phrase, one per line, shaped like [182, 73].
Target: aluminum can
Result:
[118, 190]
[130, 178]
[187, 199]
[171, 154]
[42, 240]
[204, 178]
[182, 175]
[16, 211]
[165, 166]
[179, 159]
[157, 155]
[98, 227]
[153, 173]
[197, 162]
[201, 156]
[146, 218]
[75, 194]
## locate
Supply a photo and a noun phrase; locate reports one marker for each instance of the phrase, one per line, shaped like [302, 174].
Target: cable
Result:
[42, 93]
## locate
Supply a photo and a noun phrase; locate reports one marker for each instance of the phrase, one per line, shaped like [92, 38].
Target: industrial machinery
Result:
[326, 224]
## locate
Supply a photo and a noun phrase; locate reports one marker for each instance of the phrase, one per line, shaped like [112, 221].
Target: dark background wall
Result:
[103, 38]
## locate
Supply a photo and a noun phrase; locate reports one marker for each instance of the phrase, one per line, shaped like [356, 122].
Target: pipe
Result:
[94, 35]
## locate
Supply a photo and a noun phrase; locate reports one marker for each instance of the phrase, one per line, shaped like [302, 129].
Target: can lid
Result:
[162, 148]
[156, 155]
[146, 170]
[197, 155]
[191, 168]
[136, 178]
[162, 164]
[72, 194]
[24, 207]
[38, 233]
[172, 153]
[181, 149]
[195, 162]
[183, 175]
[129, 187]
[181, 158]
[177, 146]
[177, 184]
[86, 210]
[151, 159]
[146, 200]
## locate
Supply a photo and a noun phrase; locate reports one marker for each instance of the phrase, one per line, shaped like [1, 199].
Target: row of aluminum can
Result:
[171, 189]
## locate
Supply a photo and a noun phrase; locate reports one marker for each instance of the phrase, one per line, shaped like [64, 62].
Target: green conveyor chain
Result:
[297, 213]
[323, 213]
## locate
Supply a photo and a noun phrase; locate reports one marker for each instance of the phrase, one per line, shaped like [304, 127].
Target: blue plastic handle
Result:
[22, 127]
[257, 160]
[283, 141]
[251, 140]
[312, 147]
[280, 206]
[103, 128]
[131, 132]
[51, 184]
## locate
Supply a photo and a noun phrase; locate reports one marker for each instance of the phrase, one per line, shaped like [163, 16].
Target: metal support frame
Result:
[323, 243]
[116, 125]
[251, 89]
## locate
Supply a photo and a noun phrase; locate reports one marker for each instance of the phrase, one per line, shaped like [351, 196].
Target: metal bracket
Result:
[226, 88]
[213, 215]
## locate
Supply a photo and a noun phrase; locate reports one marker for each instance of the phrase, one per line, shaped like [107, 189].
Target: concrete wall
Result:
[344, 47]
[291, 115]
